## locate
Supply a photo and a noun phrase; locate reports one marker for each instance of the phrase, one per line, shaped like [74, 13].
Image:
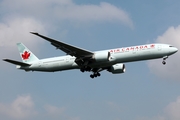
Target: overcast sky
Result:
[147, 91]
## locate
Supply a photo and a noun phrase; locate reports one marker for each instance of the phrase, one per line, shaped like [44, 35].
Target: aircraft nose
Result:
[173, 50]
[176, 49]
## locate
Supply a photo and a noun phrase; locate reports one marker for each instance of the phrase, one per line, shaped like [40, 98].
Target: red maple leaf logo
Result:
[25, 55]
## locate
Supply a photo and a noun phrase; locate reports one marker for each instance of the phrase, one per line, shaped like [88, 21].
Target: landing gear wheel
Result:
[82, 70]
[95, 75]
[92, 76]
[163, 62]
[88, 69]
[98, 74]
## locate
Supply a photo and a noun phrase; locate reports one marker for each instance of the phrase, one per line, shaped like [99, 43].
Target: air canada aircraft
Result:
[111, 60]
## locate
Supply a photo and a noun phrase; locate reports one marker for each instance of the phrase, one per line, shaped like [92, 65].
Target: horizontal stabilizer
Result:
[16, 62]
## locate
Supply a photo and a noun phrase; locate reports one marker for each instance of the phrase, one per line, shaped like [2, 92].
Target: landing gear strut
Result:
[85, 68]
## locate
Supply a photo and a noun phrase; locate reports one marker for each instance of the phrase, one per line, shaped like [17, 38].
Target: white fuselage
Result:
[118, 55]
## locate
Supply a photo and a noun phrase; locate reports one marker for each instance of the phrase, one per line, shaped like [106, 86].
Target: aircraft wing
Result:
[16, 62]
[67, 48]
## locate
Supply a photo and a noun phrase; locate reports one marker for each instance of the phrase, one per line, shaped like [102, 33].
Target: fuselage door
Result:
[40, 64]
[159, 47]
[67, 59]
[135, 51]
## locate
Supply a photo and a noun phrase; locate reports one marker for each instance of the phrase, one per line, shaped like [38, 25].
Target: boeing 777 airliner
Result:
[77, 58]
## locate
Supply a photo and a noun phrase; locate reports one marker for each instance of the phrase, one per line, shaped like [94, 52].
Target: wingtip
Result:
[35, 33]
[4, 59]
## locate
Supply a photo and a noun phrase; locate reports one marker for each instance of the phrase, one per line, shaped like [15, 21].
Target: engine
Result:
[117, 68]
[101, 56]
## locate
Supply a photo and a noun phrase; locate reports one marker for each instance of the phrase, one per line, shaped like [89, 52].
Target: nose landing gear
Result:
[164, 58]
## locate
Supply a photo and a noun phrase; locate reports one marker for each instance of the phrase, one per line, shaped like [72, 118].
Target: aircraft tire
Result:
[92, 76]
[82, 70]
[98, 74]
[95, 75]
[163, 62]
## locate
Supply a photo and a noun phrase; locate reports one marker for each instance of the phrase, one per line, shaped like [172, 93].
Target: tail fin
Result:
[26, 55]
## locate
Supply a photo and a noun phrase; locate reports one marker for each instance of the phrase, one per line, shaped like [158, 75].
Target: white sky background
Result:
[20, 108]
[152, 87]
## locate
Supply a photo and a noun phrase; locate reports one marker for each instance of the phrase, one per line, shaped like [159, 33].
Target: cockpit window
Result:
[171, 46]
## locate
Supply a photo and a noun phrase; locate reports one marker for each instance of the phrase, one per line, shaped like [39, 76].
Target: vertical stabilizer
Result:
[26, 55]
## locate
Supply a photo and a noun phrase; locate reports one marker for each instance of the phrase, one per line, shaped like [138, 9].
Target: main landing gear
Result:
[94, 70]
[95, 75]
[164, 58]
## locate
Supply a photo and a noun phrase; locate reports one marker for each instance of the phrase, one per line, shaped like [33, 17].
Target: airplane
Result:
[111, 60]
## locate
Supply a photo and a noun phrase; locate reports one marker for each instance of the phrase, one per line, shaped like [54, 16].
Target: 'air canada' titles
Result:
[142, 47]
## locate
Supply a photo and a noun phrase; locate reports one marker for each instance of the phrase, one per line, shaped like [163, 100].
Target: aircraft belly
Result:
[51, 67]
[102, 64]
[59, 66]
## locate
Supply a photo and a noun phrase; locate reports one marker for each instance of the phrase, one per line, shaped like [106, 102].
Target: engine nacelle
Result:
[101, 56]
[117, 68]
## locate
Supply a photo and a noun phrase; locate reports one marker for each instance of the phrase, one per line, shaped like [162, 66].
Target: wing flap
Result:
[67, 48]
[16, 62]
